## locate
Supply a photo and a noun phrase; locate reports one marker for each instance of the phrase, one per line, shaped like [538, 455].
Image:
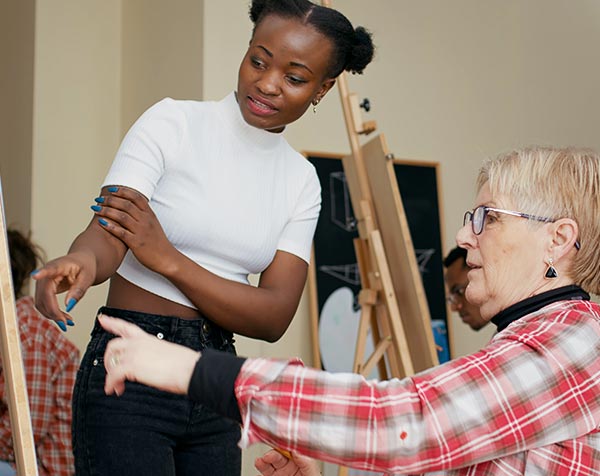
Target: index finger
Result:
[277, 458]
[119, 327]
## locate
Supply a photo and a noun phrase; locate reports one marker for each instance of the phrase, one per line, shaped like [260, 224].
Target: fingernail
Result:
[102, 221]
[62, 326]
[34, 272]
[71, 304]
[99, 199]
[112, 189]
[96, 208]
[70, 323]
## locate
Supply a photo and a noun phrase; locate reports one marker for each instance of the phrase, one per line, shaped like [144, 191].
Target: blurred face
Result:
[457, 281]
[283, 71]
[507, 259]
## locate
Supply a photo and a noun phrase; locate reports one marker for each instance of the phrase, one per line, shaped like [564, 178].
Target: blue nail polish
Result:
[112, 189]
[62, 326]
[96, 208]
[34, 272]
[102, 221]
[70, 323]
[71, 304]
[99, 199]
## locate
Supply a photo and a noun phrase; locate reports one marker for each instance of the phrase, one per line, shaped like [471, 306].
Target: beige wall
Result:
[161, 54]
[76, 124]
[17, 23]
[453, 82]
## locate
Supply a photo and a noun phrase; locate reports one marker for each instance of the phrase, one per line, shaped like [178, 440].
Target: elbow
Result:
[273, 337]
[273, 334]
[275, 328]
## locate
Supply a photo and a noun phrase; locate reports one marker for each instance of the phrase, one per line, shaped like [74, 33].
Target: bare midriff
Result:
[123, 294]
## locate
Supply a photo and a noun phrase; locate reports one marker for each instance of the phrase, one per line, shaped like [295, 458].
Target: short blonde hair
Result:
[555, 183]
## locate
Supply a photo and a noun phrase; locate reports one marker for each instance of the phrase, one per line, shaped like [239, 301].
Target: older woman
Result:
[527, 403]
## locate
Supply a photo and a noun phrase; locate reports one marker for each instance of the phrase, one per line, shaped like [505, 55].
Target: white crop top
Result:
[228, 195]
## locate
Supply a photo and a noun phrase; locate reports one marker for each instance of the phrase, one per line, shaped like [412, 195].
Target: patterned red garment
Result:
[526, 404]
[51, 361]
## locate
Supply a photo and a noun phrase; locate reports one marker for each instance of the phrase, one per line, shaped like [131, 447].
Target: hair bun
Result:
[362, 51]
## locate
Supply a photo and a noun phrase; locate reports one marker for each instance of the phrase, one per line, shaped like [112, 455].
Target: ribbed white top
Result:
[228, 195]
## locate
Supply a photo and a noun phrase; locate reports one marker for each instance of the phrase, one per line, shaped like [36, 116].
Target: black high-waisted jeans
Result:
[146, 431]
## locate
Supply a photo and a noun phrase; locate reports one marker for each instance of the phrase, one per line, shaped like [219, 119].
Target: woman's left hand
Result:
[126, 214]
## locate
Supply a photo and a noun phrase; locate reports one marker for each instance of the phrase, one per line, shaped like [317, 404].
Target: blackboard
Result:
[334, 274]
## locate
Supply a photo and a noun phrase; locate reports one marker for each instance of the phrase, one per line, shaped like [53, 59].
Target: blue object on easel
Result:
[440, 337]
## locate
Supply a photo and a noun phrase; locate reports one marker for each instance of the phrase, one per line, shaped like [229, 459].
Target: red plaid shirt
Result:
[526, 404]
[51, 361]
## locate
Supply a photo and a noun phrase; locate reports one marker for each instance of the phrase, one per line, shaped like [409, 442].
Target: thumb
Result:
[80, 283]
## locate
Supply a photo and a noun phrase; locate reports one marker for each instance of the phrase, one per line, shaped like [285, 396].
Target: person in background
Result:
[457, 281]
[201, 195]
[50, 361]
[528, 403]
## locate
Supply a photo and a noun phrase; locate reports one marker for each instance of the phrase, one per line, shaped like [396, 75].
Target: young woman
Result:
[200, 195]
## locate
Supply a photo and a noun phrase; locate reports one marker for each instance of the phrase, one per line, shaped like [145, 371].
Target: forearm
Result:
[262, 312]
[101, 249]
[212, 382]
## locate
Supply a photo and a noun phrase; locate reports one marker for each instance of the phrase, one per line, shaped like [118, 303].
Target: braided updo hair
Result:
[24, 258]
[353, 47]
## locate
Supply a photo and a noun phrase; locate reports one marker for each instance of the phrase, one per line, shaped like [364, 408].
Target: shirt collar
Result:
[229, 111]
[535, 303]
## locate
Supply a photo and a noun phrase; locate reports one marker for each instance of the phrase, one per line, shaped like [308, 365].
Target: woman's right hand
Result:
[273, 463]
[73, 273]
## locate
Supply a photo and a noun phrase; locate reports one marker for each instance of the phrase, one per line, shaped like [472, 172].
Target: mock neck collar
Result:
[254, 137]
[535, 303]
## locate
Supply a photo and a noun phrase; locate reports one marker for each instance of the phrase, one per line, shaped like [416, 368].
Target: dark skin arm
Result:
[93, 257]
[262, 312]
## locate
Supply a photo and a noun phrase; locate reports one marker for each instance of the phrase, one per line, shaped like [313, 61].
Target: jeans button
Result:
[206, 327]
[160, 335]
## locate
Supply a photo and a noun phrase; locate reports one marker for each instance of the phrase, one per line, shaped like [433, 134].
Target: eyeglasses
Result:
[478, 215]
[456, 293]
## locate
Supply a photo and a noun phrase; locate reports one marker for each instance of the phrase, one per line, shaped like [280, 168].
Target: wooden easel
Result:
[12, 364]
[392, 298]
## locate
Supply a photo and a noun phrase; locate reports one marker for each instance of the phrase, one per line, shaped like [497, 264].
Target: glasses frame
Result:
[469, 216]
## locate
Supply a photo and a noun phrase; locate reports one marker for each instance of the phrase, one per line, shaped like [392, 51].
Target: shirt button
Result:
[160, 335]
[95, 362]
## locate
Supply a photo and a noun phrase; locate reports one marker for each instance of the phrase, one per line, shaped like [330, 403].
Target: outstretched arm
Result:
[469, 411]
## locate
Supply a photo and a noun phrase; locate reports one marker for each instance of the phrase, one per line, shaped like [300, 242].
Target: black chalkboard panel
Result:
[334, 266]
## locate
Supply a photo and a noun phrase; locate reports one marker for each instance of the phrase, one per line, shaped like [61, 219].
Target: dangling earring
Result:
[551, 271]
[315, 103]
